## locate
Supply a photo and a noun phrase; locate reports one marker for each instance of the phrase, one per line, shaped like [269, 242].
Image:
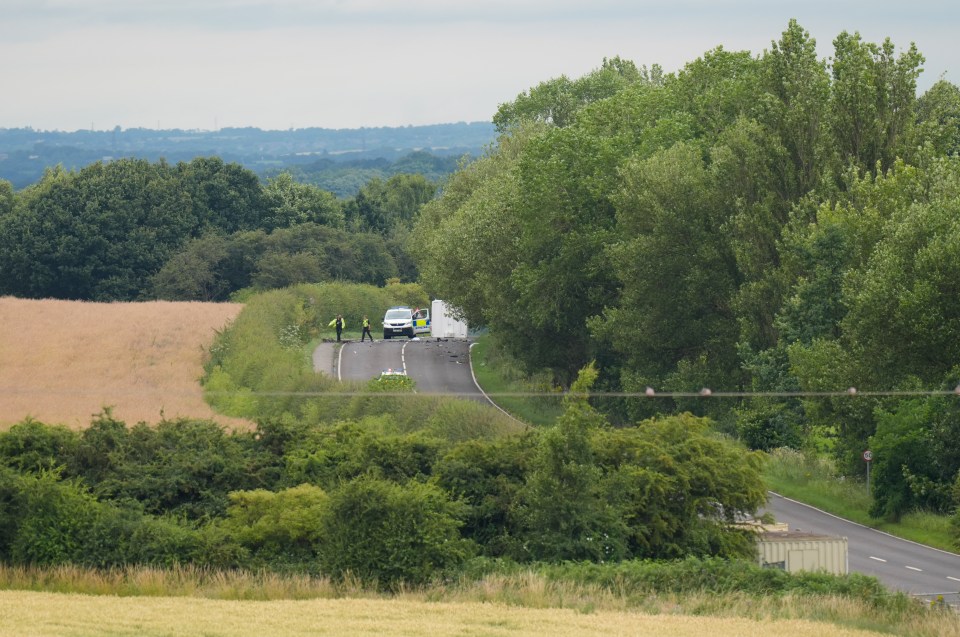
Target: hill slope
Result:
[63, 361]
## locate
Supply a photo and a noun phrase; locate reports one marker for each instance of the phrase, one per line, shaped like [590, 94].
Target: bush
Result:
[54, 519]
[386, 533]
[33, 446]
[279, 529]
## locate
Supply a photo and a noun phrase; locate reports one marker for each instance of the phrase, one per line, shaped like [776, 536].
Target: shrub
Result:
[386, 533]
[278, 528]
[33, 446]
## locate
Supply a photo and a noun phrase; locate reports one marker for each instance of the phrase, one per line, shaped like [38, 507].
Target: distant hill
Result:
[25, 153]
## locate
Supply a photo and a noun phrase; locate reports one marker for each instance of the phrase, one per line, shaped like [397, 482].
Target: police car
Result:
[404, 321]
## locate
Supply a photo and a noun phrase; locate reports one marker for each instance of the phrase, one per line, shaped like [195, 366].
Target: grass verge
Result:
[814, 481]
[500, 377]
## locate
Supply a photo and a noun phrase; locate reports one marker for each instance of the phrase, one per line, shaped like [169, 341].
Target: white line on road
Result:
[879, 559]
[953, 578]
[403, 357]
[914, 568]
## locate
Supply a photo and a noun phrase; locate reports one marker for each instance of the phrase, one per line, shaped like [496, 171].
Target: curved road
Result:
[442, 366]
[900, 564]
[438, 366]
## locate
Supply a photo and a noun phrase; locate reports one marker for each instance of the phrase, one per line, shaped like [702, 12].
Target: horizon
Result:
[223, 128]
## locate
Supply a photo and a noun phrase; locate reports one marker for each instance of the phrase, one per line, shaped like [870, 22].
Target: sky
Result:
[280, 64]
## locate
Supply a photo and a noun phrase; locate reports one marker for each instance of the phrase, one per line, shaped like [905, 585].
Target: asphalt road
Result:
[899, 564]
[438, 366]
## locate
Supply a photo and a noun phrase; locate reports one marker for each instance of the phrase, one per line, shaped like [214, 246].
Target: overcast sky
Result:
[278, 64]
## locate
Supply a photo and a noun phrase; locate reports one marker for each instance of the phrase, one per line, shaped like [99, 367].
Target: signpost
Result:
[868, 458]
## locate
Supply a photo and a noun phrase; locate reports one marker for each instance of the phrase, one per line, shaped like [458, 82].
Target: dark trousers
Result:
[339, 330]
[366, 332]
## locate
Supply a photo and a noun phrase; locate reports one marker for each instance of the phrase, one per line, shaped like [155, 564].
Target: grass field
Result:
[63, 361]
[71, 615]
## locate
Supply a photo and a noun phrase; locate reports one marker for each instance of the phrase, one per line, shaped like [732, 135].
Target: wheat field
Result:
[61, 362]
[71, 615]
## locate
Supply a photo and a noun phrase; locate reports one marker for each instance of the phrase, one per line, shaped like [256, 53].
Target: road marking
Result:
[914, 568]
[879, 559]
[953, 578]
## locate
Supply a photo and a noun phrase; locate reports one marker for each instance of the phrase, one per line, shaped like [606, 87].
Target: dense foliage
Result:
[130, 229]
[775, 224]
[352, 497]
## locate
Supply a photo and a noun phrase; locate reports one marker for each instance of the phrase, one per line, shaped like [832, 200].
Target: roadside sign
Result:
[868, 455]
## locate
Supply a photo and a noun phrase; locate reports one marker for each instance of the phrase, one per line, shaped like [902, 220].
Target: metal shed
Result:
[795, 551]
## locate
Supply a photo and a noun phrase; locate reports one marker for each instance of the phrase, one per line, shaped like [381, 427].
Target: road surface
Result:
[899, 564]
[438, 366]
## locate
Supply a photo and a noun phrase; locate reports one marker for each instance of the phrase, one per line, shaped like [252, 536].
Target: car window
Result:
[398, 314]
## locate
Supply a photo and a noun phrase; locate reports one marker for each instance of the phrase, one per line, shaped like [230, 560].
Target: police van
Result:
[405, 321]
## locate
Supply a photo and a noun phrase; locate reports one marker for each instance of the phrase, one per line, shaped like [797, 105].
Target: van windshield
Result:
[398, 314]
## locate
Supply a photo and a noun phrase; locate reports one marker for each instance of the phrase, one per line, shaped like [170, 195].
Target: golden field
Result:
[63, 361]
[71, 615]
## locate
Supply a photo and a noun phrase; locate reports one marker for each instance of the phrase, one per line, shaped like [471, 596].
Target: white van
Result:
[398, 321]
[403, 321]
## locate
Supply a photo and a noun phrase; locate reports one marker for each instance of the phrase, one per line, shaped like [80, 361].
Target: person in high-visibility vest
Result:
[366, 329]
[339, 323]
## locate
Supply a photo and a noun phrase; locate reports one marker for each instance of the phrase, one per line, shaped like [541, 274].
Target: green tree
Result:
[558, 101]
[290, 203]
[566, 515]
[221, 195]
[938, 118]
[7, 197]
[674, 325]
[387, 206]
[794, 106]
[915, 461]
[872, 100]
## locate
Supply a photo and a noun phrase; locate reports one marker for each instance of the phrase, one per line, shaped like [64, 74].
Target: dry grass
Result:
[63, 361]
[53, 614]
[637, 610]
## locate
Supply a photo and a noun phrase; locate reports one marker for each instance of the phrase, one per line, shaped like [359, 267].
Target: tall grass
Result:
[519, 587]
[814, 480]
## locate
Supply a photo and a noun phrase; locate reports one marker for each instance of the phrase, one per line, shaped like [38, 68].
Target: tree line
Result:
[201, 230]
[340, 160]
[776, 223]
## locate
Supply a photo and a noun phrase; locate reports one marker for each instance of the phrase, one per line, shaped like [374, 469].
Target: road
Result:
[899, 564]
[438, 366]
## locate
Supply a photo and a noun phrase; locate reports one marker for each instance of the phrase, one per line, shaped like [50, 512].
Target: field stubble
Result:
[61, 362]
[53, 614]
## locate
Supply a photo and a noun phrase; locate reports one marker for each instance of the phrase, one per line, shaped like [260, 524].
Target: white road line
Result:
[914, 568]
[863, 526]
[953, 578]
[879, 559]
[403, 357]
